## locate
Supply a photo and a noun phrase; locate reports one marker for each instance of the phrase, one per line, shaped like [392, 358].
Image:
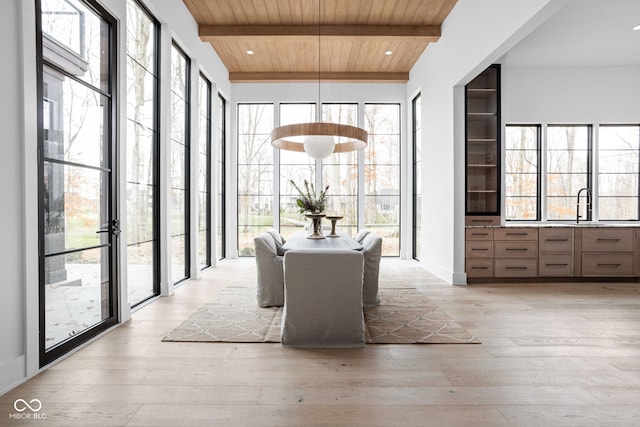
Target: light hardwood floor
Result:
[551, 355]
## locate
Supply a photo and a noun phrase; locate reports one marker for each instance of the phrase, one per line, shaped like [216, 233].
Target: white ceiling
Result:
[583, 33]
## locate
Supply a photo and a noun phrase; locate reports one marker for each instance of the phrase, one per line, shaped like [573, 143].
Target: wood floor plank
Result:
[570, 416]
[307, 415]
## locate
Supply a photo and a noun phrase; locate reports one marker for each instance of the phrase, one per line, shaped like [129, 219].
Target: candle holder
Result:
[334, 220]
[316, 218]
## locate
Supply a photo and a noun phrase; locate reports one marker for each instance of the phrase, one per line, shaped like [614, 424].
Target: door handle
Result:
[114, 229]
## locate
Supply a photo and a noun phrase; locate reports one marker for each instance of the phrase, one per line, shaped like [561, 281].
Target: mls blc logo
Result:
[27, 410]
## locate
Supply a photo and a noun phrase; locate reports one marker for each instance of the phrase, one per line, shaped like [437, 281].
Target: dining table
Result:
[344, 241]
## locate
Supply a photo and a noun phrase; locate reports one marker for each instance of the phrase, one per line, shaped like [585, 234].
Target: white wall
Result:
[476, 34]
[12, 290]
[566, 95]
[18, 165]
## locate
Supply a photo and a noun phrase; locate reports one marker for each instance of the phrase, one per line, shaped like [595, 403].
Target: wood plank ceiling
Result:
[352, 37]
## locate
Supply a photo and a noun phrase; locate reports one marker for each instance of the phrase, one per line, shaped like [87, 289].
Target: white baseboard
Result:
[12, 374]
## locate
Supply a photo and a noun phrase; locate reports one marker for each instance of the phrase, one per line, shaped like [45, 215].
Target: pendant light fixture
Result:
[319, 139]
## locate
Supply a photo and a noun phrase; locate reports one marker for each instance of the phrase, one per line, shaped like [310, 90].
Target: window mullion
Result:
[318, 172]
[594, 164]
[275, 197]
[544, 168]
[361, 187]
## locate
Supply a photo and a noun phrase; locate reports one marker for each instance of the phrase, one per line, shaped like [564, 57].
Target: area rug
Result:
[404, 316]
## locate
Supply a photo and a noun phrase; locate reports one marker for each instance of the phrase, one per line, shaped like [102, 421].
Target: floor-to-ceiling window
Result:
[382, 174]
[221, 181]
[142, 154]
[179, 165]
[340, 171]
[78, 226]
[294, 166]
[204, 174]
[417, 176]
[255, 173]
[368, 180]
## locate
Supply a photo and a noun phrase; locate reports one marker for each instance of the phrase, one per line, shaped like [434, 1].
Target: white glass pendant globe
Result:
[319, 146]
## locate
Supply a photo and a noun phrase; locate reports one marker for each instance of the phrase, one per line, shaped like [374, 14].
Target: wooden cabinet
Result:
[552, 252]
[555, 258]
[482, 130]
[479, 252]
[515, 252]
[607, 252]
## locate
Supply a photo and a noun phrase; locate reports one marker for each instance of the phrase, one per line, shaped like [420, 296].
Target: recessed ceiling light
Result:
[636, 28]
[249, 52]
[389, 52]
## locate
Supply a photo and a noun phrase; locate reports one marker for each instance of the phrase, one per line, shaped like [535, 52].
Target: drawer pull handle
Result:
[479, 268]
[603, 239]
[557, 240]
[517, 249]
[516, 234]
[479, 249]
[612, 265]
[516, 268]
[479, 234]
[558, 264]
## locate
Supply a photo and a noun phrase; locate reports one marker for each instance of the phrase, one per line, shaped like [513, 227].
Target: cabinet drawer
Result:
[478, 233]
[479, 249]
[555, 265]
[556, 240]
[479, 267]
[607, 240]
[515, 233]
[526, 249]
[481, 220]
[525, 267]
[607, 265]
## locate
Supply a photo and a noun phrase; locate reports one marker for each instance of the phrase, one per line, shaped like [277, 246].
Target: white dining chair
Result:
[323, 299]
[270, 287]
[361, 235]
[372, 251]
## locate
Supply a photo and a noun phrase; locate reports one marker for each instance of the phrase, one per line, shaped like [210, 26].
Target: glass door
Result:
[78, 226]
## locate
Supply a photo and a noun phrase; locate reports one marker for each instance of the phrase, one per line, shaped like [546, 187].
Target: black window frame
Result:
[48, 356]
[208, 260]
[414, 165]
[187, 167]
[222, 103]
[156, 157]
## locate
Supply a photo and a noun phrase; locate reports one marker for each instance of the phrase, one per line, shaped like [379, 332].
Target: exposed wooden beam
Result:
[257, 77]
[429, 33]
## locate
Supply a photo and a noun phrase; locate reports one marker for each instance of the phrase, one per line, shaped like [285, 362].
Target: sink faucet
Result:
[578, 216]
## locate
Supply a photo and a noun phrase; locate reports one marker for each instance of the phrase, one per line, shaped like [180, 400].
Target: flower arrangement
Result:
[308, 202]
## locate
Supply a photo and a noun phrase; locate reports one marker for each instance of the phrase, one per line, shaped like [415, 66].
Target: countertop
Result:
[585, 224]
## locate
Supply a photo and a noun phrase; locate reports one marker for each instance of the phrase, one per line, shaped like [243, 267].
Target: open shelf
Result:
[483, 143]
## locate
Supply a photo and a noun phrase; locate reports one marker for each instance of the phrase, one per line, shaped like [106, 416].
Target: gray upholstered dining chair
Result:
[372, 251]
[270, 290]
[361, 235]
[323, 299]
[278, 240]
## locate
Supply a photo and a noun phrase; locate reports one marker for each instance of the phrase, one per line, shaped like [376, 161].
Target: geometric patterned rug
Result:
[404, 316]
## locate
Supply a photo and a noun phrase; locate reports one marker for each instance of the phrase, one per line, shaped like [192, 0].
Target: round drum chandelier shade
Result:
[319, 140]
